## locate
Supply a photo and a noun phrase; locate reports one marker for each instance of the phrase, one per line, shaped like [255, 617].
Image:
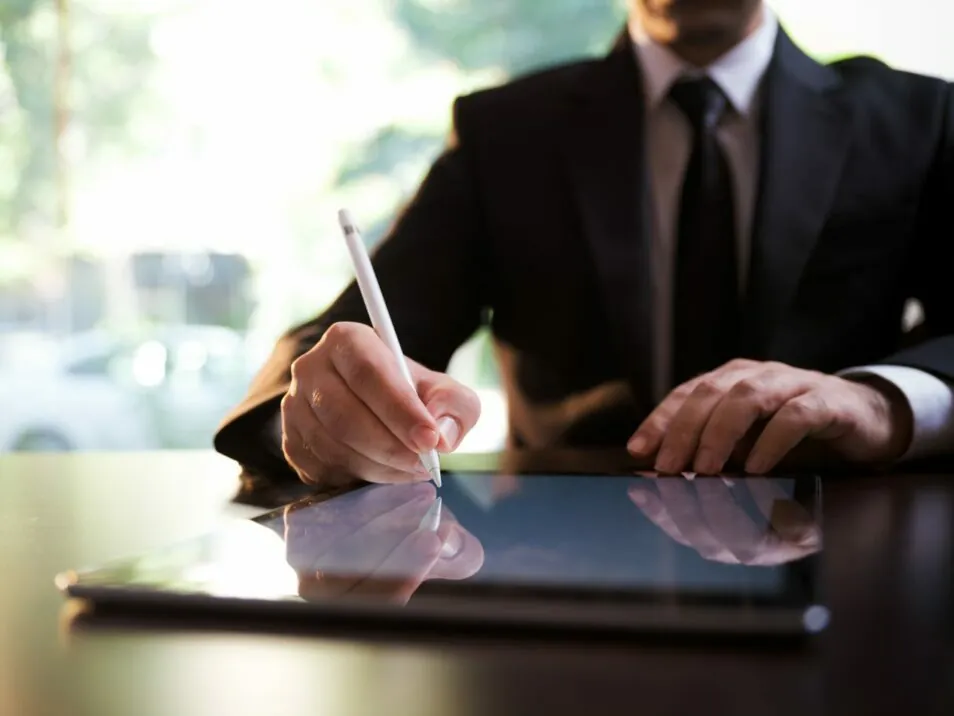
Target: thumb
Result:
[454, 406]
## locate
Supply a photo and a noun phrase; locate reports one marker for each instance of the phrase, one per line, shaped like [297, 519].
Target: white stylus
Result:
[432, 518]
[380, 318]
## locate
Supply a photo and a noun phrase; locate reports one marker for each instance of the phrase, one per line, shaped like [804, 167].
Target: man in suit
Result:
[699, 246]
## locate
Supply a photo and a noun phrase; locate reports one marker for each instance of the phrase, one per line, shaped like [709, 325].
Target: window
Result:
[180, 162]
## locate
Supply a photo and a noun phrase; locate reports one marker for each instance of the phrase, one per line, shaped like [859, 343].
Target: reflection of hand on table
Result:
[370, 543]
[705, 515]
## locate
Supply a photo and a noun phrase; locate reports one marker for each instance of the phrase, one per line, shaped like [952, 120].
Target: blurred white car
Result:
[95, 391]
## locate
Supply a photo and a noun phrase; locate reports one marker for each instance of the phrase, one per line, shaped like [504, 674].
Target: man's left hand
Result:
[704, 422]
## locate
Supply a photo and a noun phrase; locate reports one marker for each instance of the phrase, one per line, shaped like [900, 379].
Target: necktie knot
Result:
[700, 100]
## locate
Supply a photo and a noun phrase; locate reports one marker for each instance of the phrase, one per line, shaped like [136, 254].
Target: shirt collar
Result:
[737, 72]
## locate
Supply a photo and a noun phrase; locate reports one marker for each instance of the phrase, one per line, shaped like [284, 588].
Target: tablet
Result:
[622, 553]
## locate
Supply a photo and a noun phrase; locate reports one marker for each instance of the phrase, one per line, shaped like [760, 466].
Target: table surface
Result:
[887, 573]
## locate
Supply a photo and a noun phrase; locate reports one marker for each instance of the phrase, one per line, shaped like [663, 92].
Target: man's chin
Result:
[711, 28]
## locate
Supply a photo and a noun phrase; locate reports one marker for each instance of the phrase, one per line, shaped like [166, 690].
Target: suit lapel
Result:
[806, 134]
[605, 155]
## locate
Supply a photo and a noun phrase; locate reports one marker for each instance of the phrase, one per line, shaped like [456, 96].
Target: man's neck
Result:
[697, 52]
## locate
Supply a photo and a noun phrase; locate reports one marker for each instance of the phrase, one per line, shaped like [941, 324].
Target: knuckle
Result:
[747, 388]
[739, 363]
[296, 368]
[679, 395]
[317, 400]
[338, 333]
[707, 387]
[803, 409]
[341, 341]
[304, 366]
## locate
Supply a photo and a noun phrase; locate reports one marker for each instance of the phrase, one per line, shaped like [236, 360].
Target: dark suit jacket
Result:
[535, 220]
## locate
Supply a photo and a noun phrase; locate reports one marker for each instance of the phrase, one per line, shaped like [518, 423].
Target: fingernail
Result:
[452, 546]
[424, 438]
[637, 444]
[706, 462]
[450, 431]
[755, 465]
[666, 463]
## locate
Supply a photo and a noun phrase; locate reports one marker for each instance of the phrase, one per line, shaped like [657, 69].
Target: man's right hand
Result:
[349, 413]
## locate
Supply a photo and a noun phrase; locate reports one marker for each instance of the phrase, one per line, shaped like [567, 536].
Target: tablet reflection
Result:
[370, 544]
[707, 515]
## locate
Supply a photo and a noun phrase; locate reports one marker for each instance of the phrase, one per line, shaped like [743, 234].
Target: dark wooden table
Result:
[888, 563]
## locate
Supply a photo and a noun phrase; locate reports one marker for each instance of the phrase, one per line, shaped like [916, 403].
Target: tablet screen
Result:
[743, 542]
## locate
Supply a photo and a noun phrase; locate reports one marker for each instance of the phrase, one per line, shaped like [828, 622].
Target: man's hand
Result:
[716, 416]
[349, 413]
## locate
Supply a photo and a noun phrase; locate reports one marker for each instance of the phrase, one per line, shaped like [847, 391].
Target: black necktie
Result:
[706, 300]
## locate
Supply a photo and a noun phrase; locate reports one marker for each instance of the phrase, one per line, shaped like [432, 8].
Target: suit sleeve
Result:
[931, 278]
[433, 273]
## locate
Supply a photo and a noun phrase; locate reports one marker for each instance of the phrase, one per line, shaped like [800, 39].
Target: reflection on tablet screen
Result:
[501, 534]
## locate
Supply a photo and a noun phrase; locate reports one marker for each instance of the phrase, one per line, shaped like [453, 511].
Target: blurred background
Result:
[170, 172]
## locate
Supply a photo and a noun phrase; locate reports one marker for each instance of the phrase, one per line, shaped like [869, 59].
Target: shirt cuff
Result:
[931, 401]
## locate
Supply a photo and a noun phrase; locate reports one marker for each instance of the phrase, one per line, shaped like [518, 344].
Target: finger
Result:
[649, 436]
[789, 518]
[765, 492]
[306, 465]
[359, 506]
[331, 548]
[655, 511]
[777, 551]
[372, 373]
[462, 554]
[324, 524]
[748, 400]
[345, 418]
[730, 524]
[336, 463]
[404, 569]
[800, 417]
[349, 557]
[455, 406]
[682, 504]
[678, 447]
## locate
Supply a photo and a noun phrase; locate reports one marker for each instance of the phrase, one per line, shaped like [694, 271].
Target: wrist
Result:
[894, 419]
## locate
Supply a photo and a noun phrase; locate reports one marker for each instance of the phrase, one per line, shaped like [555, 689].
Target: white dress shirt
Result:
[738, 74]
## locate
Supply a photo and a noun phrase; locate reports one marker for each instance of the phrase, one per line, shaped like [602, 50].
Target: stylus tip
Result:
[346, 221]
[432, 518]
